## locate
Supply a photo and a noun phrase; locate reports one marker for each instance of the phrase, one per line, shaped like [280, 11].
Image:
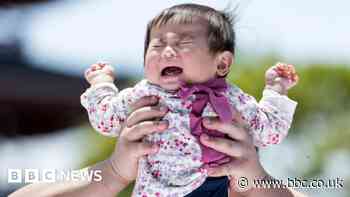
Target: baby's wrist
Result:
[277, 88]
[103, 78]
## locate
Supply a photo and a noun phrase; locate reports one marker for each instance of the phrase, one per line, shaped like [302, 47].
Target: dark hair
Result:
[221, 36]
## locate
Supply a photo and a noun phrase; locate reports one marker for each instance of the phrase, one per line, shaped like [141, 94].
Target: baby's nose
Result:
[169, 53]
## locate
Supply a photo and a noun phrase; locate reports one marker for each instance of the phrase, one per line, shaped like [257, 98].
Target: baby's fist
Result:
[281, 77]
[99, 73]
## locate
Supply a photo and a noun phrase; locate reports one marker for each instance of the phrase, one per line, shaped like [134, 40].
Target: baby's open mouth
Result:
[171, 71]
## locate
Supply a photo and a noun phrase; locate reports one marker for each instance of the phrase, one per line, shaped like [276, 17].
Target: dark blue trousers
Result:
[212, 187]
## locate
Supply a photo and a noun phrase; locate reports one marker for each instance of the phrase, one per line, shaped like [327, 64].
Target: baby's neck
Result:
[161, 88]
[183, 84]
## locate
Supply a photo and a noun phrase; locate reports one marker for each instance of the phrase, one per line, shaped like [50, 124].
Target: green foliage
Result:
[322, 90]
[97, 146]
[336, 138]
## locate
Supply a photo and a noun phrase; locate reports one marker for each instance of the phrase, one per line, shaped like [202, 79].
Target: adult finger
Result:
[223, 145]
[233, 131]
[144, 148]
[142, 102]
[138, 131]
[218, 162]
[146, 113]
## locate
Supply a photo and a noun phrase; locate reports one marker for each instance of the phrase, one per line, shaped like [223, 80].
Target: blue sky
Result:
[74, 34]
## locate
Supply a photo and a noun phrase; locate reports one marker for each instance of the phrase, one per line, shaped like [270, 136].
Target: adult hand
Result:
[121, 167]
[244, 158]
[244, 164]
[130, 146]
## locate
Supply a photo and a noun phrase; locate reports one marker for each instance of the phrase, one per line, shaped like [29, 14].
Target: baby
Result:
[188, 52]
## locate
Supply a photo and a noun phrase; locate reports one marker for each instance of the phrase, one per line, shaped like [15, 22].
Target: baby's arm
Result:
[270, 119]
[106, 106]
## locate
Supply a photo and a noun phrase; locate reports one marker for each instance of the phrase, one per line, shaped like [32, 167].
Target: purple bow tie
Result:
[211, 92]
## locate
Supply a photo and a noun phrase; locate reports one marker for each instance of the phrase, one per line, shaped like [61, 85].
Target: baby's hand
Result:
[281, 77]
[99, 73]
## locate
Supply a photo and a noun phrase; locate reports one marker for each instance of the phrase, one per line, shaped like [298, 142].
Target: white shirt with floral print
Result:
[176, 169]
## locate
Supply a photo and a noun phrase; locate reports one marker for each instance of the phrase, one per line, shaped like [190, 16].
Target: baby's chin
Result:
[170, 87]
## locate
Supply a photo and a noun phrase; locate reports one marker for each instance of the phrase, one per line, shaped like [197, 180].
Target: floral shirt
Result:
[176, 169]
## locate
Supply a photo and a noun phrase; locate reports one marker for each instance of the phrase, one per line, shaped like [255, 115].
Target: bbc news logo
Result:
[51, 175]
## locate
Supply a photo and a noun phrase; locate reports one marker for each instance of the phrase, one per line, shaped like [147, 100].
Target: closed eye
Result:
[186, 42]
[157, 45]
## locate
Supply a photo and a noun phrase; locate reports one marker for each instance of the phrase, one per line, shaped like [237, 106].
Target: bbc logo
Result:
[51, 175]
[19, 175]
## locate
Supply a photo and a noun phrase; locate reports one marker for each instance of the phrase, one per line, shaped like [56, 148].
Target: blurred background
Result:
[45, 45]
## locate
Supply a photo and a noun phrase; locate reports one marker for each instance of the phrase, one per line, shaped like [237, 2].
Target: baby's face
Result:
[179, 52]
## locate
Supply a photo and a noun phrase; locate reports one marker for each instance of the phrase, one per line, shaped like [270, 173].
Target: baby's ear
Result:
[224, 61]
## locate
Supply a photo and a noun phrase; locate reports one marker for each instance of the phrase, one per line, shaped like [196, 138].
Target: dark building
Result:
[33, 100]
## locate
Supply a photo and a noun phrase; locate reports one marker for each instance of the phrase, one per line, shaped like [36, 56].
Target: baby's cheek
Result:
[150, 72]
[151, 57]
[150, 66]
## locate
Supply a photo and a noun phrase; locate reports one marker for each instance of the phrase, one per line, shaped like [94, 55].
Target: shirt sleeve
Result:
[268, 120]
[107, 107]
